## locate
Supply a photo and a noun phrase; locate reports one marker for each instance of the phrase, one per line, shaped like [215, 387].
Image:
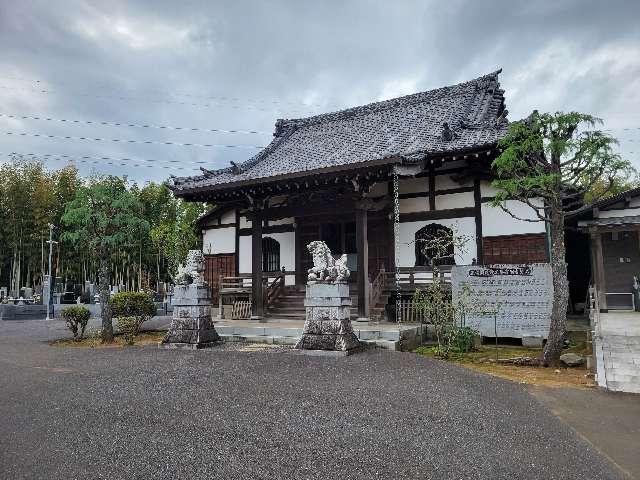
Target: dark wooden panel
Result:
[216, 266]
[616, 246]
[438, 214]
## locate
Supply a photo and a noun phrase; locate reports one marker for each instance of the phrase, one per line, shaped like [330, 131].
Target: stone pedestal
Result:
[191, 325]
[328, 322]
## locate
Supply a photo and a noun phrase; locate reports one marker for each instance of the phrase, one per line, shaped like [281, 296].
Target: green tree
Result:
[552, 162]
[103, 216]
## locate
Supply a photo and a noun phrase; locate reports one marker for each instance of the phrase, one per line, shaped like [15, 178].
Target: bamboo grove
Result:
[32, 197]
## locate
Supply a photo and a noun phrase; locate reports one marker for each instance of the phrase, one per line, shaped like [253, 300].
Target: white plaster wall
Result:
[497, 222]
[462, 226]
[244, 223]
[244, 255]
[486, 190]
[627, 212]
[219, 240]
[408, 205]
[455, 200]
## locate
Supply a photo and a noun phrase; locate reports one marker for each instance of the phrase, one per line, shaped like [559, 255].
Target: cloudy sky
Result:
[240, 65]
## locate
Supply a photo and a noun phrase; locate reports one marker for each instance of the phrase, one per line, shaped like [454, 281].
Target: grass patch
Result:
[484, 360]
[142, 338]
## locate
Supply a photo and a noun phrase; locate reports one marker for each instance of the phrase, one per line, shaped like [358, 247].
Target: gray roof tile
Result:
[409, 126]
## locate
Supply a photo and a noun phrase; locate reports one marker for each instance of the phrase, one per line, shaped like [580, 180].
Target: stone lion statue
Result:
[192, 270]
[325, 267]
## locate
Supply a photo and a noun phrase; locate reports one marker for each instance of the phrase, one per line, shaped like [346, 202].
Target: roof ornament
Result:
[447, 133]
[502, 118]
[279, 127]
[236, 169]
[207, 173]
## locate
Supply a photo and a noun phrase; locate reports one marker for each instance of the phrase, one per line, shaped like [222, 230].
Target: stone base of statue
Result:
[328, 323]
[191, 325]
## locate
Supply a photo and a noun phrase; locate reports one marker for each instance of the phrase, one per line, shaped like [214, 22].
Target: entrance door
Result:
[216, 266]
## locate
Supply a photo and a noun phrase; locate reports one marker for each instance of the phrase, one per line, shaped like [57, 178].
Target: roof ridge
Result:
[381, 105]
[477, 113]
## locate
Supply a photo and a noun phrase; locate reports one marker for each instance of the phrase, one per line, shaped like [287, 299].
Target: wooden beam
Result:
[597, 264]
[270, 229]
[300, 275]
[237, 259]
[256, 265]
[438, 214]
[363, 264]
[444, 191]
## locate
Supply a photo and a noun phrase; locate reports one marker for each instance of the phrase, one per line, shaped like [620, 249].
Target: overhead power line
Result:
[119, 140]
[126, 162]
[163, 101]
[204, 97]
[126, 124]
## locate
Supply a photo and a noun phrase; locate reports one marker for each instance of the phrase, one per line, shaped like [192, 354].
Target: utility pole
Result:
[50, 242]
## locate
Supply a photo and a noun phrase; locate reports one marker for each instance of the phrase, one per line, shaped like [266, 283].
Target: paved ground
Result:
[142, 412]
[609, 420]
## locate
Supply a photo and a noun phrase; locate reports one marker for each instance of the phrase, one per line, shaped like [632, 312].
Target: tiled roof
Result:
[411, 127]
[610, 221]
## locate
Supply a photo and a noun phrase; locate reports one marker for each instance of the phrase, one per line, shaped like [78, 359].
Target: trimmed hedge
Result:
[131, 310]
[76, 318]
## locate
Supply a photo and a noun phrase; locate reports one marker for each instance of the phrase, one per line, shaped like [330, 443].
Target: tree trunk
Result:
[107, 326]
[557, 327]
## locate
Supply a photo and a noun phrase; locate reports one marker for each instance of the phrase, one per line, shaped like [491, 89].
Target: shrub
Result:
[128, 327]
[76, 318]
[460, 339]
[131, 310]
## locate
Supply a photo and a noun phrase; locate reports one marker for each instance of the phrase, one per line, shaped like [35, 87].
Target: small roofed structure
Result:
[613, 229]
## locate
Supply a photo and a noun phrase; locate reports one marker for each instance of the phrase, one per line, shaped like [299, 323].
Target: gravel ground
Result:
[142, 412]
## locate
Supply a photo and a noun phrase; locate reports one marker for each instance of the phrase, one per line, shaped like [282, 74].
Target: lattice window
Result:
[425, 256]
[270, 255]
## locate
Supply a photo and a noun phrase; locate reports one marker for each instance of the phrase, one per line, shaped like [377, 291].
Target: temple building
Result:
[370, 181]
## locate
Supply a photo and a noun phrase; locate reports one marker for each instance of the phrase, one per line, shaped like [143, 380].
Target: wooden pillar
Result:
[432, 188]
[256, 264]
[298, 250]
[477, 200]
[362, 243]
[597, 264]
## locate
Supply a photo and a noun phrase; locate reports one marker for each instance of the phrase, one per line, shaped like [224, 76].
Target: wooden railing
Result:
[241, 286]
[411, 278]
[377, 287]
[274, 290]
[407, 312]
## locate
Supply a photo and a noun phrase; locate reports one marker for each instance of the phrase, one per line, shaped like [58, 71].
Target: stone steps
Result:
[620, 362]
[386, 339]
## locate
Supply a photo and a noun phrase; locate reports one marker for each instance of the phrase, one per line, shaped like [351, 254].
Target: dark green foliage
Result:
[557, 163]
[132, 304]
[76, 318]
[131, 310]
[129, 327]
[561, 158]
[461, 339]
[31, 197]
